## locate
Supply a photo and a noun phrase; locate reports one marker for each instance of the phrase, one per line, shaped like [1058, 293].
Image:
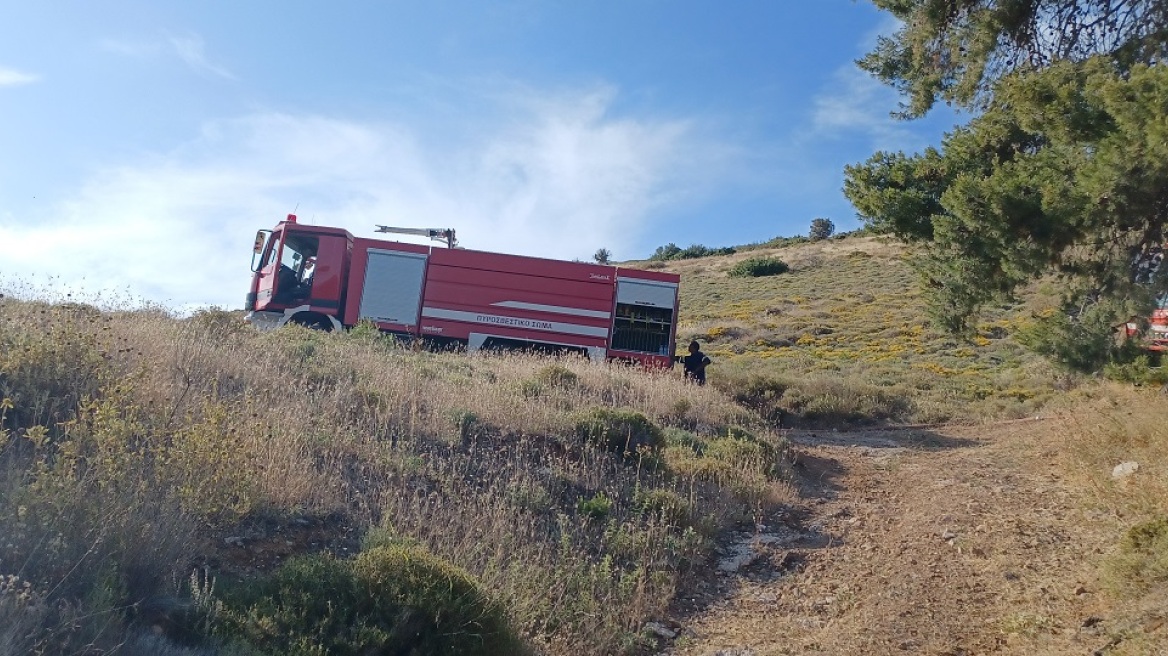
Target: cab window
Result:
[297, 264]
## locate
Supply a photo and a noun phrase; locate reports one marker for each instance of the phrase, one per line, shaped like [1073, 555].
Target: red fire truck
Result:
[326, 278]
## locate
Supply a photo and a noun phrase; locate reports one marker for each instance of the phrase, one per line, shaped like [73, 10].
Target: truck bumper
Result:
[265, 320]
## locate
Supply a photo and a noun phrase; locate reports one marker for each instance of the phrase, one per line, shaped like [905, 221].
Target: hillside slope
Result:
[843, 339]
[1014, 525]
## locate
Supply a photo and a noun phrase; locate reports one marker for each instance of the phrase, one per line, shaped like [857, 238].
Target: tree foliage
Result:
[821, 228]
[956, 50]
[672, 251]
[1065, 171]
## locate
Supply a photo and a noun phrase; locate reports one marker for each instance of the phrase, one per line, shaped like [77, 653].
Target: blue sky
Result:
[144, 143]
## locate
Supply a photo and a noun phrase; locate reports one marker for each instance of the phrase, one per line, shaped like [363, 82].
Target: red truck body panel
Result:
[510, 296]
[479, 298]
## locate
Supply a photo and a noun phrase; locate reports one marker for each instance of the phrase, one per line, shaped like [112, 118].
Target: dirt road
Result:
[951, 541]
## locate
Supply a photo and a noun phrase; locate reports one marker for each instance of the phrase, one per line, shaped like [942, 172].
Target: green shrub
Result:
[828, 402]
[96, 498]
[1137, 371]
[394, 599]
[740, 433]
[666, 252]
[531, 496]
[678, 437]
[467, 424]
[749, 484]
[679, 408]
[386, 536]
[757, 267]
[531, 389]
[598, 507]
[557, 375]
[666, 504]
[1142, 558]
[30, 624]
[697, 250]
[743, 454]
[738, 459]
[775, 242]
[366, 331]
[446, 609]
[619, 431]
[757, 392]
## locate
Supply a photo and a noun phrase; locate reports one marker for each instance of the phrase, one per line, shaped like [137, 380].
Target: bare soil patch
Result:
[960, 540]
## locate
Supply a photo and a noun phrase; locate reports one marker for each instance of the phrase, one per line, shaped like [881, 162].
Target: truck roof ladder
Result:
[437, 234]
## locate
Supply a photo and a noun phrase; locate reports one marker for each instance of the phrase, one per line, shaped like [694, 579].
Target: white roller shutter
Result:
[646, 292]
[393, 287]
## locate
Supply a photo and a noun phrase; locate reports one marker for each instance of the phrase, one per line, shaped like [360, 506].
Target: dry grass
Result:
[133, 444]
[849, 318]
[1110, 424]
[1101, 427]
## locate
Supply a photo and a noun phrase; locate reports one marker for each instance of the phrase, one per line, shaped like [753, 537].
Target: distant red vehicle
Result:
[1149, 268]
[328, 279]
[1158, 328]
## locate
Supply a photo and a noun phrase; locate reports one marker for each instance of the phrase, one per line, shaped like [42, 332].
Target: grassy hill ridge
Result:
[198, 480]
[845, 336]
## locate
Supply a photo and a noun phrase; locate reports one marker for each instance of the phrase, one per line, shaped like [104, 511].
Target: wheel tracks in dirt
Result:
[959, 540]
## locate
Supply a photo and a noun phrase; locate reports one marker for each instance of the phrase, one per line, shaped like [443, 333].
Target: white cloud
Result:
[191, 50]
[855, 102]
[10, 77]
[559, 177]
[188, 48]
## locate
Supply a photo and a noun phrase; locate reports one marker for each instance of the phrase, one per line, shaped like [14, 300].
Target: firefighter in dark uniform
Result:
[695, 363]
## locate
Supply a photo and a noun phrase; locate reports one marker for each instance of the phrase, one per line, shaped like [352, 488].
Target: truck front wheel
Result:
[312, 322]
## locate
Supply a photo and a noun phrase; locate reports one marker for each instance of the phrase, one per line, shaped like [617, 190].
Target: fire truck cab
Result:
[328, 279]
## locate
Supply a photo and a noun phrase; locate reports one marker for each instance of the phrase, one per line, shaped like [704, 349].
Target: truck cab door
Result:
[268, 269]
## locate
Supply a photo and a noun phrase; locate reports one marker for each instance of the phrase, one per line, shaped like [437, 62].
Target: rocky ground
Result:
[946, 541]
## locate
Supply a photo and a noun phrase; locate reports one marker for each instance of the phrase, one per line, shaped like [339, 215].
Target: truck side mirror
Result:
[257, 252]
